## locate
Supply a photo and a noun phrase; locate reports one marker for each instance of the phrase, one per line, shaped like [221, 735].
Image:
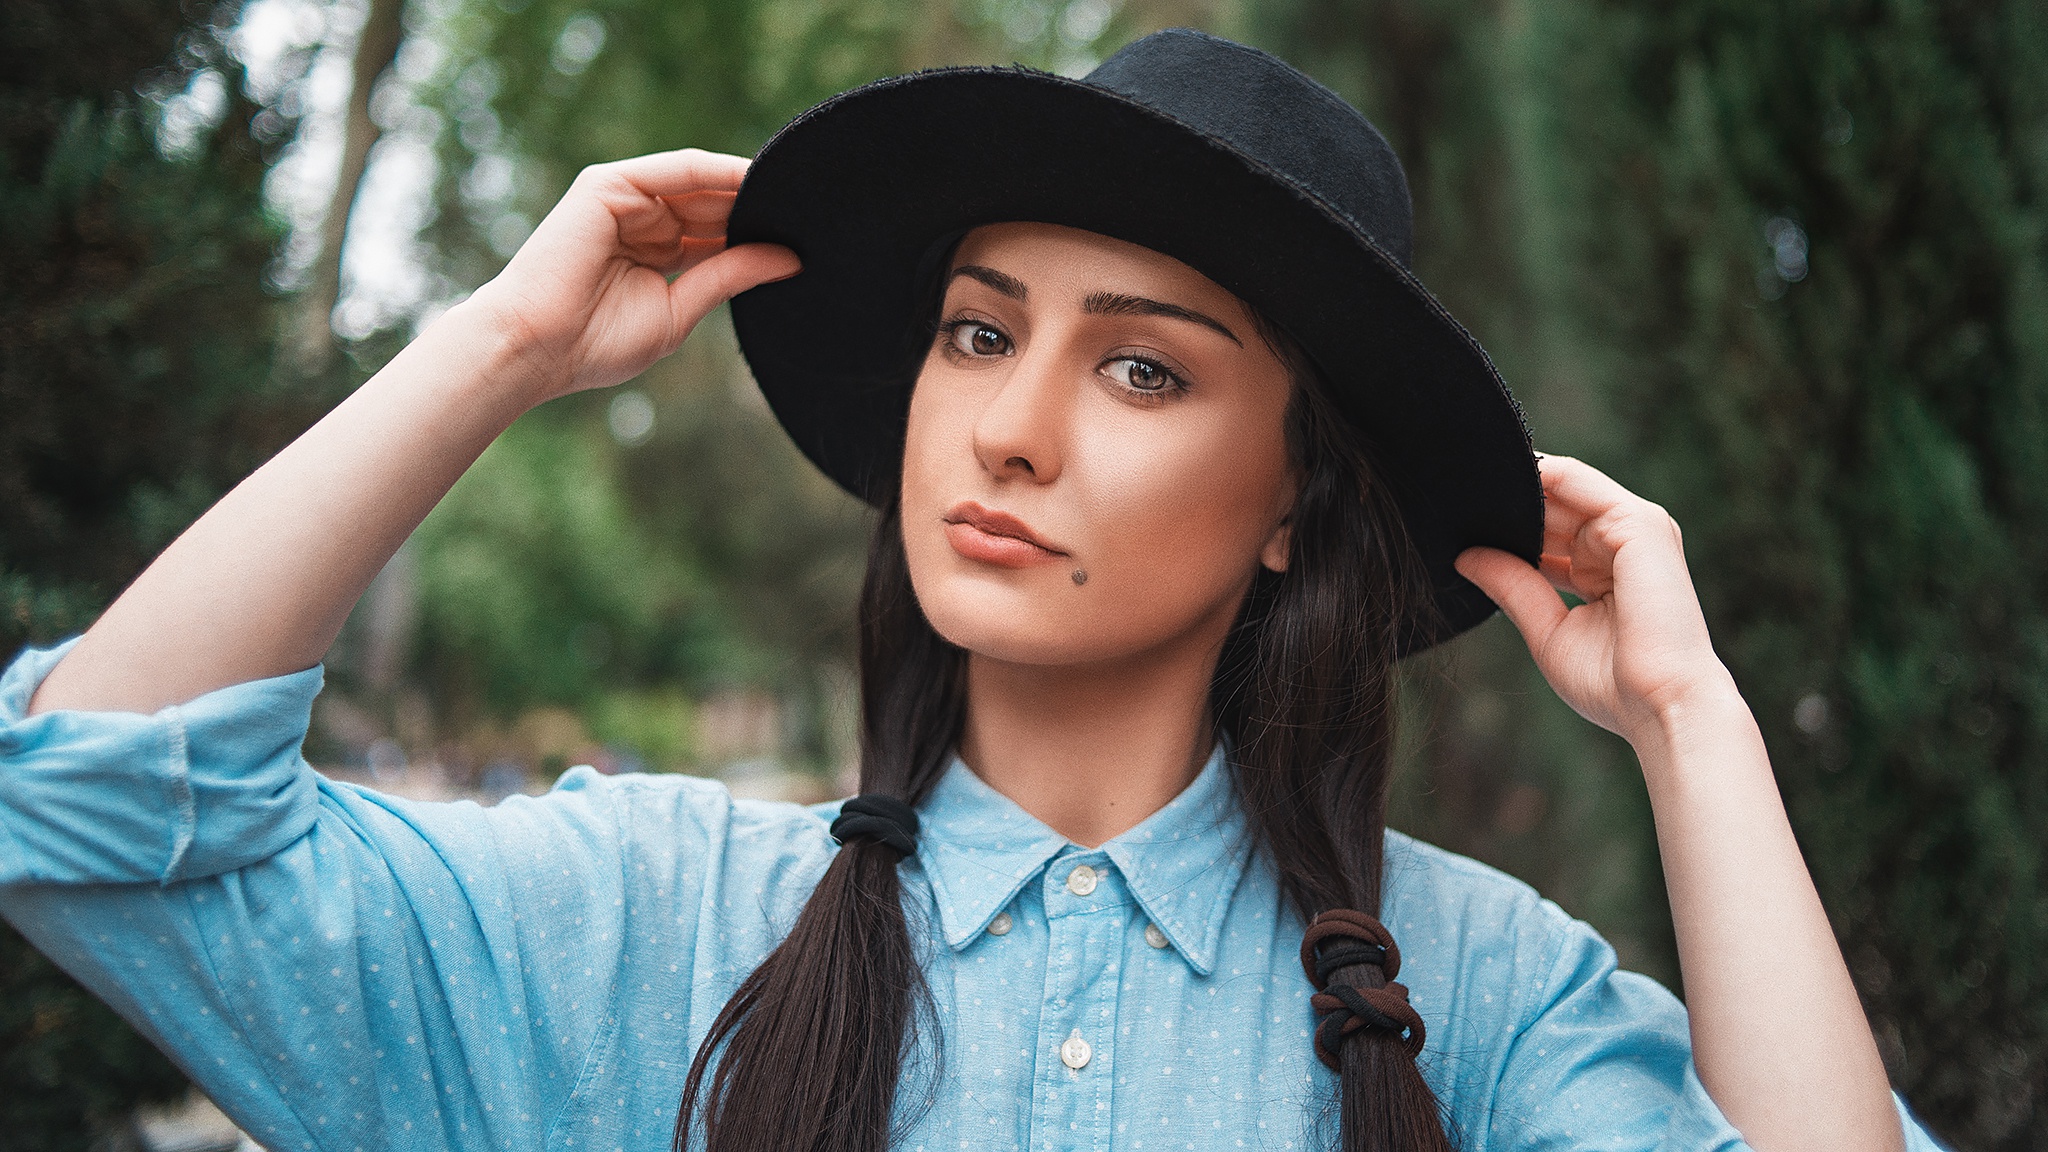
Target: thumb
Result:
[696, 292]
[1522, 592]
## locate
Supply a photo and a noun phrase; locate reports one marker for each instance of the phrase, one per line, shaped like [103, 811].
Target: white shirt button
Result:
[1001, 925]
[1075, 1052]
[1081, 881]
[1154, 936]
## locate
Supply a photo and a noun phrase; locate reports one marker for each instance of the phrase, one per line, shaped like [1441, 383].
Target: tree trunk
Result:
[311, 346]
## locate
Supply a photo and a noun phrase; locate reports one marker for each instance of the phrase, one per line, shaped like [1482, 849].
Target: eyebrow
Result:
[1002, 282]
[1099, 303]
[1118, 304]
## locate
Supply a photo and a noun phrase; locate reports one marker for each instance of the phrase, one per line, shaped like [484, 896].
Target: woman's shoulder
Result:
[1464, 923]
[1424, 875]
[654, 843]
[662, 804]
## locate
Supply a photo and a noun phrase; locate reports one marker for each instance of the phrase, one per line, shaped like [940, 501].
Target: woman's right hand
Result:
[622, 268]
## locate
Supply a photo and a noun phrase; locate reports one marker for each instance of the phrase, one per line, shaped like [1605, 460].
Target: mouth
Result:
[998, 538]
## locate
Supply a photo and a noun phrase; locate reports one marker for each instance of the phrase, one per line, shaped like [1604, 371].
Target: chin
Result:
[1018, 616]
[1038, 617]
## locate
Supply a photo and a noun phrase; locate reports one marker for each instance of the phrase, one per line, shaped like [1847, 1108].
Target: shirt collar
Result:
[1182, 863]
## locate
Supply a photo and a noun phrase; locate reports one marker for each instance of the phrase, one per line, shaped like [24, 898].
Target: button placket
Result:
[1087, 914]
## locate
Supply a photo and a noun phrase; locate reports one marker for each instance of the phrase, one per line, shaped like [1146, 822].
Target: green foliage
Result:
[134, 387]
[569, 569]
[1782, 268]
[534, 575]
[127, 281]
[659, 724]
[1857, 436]
[553, 86]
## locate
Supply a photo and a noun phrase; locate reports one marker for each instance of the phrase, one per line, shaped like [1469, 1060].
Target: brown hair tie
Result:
[1355, 938]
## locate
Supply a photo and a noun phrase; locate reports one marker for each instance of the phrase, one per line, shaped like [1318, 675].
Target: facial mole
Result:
[1080, 576]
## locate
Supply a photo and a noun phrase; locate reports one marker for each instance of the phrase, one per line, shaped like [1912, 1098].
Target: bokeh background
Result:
[1780, 266]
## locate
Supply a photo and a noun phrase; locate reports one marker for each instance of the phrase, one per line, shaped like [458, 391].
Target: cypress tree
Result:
[1783, 268]
[1833, 339]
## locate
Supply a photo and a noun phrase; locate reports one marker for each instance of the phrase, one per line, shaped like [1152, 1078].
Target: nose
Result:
[1020, 433]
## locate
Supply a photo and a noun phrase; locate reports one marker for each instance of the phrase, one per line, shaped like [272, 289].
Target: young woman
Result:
[1173, 460]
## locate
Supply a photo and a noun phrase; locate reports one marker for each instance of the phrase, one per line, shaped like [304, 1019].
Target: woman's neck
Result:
[1090, 751]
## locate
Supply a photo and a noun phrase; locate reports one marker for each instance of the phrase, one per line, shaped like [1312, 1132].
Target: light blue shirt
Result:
[348, 971]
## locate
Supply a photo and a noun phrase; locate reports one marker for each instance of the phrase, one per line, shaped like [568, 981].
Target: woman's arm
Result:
[1779, 1037]
[261, 584]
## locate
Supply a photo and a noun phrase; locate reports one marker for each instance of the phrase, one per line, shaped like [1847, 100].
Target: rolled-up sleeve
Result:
[338, 968]
[116, 797]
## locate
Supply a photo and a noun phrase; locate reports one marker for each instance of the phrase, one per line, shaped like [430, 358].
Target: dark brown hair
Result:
[809, 1053]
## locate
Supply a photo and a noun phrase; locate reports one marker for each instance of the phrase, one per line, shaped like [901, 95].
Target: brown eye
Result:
[977, 339]
[1142, 375]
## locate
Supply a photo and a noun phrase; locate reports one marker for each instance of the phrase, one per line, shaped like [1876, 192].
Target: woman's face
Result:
[1096, 461]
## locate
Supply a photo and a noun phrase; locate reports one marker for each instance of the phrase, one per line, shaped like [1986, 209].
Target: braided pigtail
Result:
[1306, 688]
[807, 1055]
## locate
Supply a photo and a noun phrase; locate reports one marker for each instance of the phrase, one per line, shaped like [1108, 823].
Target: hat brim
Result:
[872, 188]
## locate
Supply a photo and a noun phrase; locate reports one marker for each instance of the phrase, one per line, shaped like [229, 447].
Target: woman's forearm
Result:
[1779, 1036]
[261, 584]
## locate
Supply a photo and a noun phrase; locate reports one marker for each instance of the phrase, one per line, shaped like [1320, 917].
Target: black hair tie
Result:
[883, 818]
[1345, 952]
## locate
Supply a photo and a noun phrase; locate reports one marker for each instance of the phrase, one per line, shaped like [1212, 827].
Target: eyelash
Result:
[949, 331]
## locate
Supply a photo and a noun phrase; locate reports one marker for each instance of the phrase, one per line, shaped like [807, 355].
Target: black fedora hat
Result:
[1219, 155]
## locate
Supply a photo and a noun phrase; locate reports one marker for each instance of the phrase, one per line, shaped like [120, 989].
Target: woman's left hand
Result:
[1778, 1036]
[1638, 647]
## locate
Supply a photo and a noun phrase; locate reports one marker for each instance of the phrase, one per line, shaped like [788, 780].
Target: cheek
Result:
[1177, 522]
[940, 469]
[938, 444]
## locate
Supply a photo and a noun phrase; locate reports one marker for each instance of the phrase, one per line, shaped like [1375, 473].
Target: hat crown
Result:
[1269, 111]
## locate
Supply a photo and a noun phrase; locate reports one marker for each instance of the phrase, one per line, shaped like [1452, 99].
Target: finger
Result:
[1577, 489]
[696, 292]
[1561, 530]
[677, 257]
[702, 214]
[657, 223]
[679, 173]
[1521, 591]
[1583, 573]
[675, 233]
[1557, 568]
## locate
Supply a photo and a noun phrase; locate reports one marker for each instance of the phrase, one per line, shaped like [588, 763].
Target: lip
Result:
[998, 538]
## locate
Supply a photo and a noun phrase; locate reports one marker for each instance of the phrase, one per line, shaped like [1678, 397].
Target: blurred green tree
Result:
[1783, 268]
[1833, 319]
[135, 388]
